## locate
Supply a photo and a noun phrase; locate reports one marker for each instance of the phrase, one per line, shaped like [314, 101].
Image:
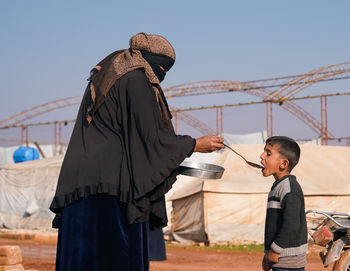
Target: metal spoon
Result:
[248, 162]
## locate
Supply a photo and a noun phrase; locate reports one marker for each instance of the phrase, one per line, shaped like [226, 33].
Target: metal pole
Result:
[59, 133]
[27, 143]
[176, 122]
[322, 132]
[217, 120]
[267, 120]
[222, 119]
[326, 122]
[271, 122]
[39, 149]
[22, 135]
[55, 131]
[60, 137]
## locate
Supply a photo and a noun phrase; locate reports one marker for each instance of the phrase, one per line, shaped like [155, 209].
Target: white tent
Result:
[26, 192]
[232, 209]
[185, 181]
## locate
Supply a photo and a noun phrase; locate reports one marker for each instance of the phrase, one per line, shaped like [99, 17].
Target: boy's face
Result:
[273, 163]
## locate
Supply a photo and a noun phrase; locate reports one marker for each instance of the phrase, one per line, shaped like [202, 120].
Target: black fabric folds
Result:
[156, 60]
[125, 151]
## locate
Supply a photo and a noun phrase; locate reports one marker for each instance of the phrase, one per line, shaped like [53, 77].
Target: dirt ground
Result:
[40, 255]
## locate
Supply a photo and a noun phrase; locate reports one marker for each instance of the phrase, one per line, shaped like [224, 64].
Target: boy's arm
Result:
[265, 264]
[290, 216]
[272, 257]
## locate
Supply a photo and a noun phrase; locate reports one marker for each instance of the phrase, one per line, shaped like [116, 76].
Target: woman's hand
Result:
[209, 144]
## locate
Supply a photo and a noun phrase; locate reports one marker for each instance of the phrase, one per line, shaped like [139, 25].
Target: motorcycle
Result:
[331, 231]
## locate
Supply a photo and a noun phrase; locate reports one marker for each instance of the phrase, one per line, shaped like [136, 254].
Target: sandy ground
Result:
[210, 260]
[40, 255]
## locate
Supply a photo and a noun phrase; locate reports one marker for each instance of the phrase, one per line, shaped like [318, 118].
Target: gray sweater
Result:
[285, 226]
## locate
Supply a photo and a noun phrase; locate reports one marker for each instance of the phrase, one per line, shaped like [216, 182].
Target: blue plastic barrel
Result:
[23, 154]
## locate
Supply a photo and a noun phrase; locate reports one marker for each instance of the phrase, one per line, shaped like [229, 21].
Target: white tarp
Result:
[233, 208]
[251, 138]
[26, 192]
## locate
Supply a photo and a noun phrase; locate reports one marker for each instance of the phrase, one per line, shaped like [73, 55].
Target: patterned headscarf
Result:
[143, 52]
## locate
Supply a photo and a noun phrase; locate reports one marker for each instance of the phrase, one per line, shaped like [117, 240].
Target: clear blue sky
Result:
[47, 49]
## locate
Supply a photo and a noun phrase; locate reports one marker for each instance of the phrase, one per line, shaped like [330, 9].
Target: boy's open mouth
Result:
[263, 167]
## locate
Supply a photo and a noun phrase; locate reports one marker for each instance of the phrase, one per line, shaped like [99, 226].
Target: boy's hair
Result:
[288, 148]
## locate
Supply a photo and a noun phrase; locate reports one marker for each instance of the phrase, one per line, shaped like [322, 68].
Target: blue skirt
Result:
[156, 245]
[93, 236]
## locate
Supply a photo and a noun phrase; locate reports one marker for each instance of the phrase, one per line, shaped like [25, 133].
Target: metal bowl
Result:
[200, 170]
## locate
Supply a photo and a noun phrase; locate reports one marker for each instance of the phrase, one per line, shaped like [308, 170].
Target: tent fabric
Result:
[251, 138]
[229, 210]
[322, 170]
[186, 182]
[189, 226]
[234, 207]
[26, 192]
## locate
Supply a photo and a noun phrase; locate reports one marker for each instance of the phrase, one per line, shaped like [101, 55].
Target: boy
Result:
[285, 226]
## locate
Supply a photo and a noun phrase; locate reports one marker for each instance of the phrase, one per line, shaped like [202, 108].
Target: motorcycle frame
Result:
[335, 248]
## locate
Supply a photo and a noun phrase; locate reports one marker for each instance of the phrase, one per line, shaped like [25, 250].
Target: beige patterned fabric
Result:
[115, 65]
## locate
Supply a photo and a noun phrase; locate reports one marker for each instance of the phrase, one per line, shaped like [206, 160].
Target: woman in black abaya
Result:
[121, 160]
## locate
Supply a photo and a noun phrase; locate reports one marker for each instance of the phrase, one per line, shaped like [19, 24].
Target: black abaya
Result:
[125, 152]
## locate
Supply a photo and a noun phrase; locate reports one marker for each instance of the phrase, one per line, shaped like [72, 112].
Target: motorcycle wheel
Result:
[343, 264]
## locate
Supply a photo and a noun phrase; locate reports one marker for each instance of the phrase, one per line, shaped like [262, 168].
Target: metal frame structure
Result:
[279, 88]
[276, 90]
[325, 136]
[40, 110]
[204, 129]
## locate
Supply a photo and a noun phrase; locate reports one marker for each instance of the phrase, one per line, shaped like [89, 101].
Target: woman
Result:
[121, 160]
